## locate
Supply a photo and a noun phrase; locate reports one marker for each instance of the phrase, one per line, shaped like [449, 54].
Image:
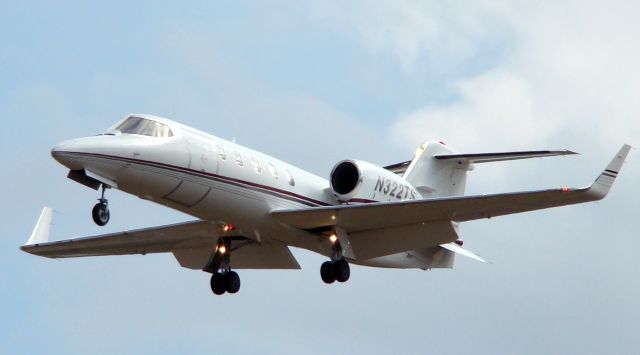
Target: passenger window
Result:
[256, 165]
[289, 178]
[238, 158]
[221, 153]
[273, 170]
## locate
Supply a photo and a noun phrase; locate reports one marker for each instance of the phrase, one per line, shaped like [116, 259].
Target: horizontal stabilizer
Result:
[475, 158]
[492, 157]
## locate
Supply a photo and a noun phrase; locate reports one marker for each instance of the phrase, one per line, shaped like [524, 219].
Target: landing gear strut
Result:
[223, 279]
[337, 269]
[100, 212]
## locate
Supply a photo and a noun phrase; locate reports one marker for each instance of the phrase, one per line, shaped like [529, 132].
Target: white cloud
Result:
[412, 29]
[494, 108]
[569, 74]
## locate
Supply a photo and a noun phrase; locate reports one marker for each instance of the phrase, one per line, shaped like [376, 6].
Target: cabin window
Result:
[238, 158]
[273, 170]
[290, 180]
[256, 165]
[144, 127]
[221, 153]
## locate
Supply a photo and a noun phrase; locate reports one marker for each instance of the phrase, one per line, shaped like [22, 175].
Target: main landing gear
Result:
[226, 281]
[223, 279]
[337, 269]
[100, 212]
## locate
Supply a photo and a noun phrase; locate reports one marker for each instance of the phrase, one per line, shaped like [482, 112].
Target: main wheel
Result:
[232, 282]
[100, 214]
[326, 272]
[341, 270]
[217, 283]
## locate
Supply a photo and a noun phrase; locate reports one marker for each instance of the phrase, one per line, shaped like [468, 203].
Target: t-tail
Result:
[439, 171]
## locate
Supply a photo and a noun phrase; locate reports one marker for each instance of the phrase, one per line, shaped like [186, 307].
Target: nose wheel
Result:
[100, 212]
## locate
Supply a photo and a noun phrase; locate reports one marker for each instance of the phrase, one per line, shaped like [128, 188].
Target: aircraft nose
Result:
[63, 153]
[58, 148]
[64, 147]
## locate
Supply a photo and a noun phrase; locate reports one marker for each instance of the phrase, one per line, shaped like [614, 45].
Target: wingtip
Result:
[601, 187]
[40, 233]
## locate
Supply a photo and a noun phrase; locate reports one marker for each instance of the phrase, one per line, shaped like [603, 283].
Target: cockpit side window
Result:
[144, 127]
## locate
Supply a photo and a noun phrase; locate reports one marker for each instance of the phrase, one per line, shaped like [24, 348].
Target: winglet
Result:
[600, 188]
[40, 232]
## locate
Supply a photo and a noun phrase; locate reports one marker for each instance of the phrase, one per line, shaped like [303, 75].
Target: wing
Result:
[191, 243]
[374, 216]
[141, 241]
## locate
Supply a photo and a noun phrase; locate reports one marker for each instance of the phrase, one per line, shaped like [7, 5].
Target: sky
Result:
[313, 83]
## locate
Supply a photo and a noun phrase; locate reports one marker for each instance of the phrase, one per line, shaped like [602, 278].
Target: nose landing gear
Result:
[100, 212]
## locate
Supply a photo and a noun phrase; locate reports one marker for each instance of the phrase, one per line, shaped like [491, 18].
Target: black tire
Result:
[217, 283]
[100, 214]
[341, 270]
[232, 282]
[326, 272]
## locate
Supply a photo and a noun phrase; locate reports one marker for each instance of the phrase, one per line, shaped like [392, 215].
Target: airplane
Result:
[250, 208]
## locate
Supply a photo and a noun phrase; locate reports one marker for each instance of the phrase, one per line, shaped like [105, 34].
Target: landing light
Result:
[333, 238]
[222, 249]
[565, 189]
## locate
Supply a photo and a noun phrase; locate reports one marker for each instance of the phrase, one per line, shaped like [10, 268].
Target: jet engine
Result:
[356, 181]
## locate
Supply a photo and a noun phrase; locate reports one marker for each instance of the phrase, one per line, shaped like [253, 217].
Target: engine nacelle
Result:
[356, 181]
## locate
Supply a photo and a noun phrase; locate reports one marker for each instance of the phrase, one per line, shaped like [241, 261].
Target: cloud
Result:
[411, 30]
[567, 73]
[481, 117]
[570, 78]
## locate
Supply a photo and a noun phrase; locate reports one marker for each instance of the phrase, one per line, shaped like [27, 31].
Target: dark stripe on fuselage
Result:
[609, 175]
[220, 178]
[612, 172]
[357, 200]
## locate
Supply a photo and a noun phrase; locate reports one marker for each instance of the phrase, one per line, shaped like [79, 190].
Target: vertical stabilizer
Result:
[437, 178]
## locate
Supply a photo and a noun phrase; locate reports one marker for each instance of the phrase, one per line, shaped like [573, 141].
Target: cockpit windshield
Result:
[144, 127]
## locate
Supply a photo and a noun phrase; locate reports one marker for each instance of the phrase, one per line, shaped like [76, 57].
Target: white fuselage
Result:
[209, 178]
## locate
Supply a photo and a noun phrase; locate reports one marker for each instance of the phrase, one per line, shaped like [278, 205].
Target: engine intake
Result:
[345, 177]
[356, 181]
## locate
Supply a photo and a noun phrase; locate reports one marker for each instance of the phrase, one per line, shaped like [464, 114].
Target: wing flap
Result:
[250, 256]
